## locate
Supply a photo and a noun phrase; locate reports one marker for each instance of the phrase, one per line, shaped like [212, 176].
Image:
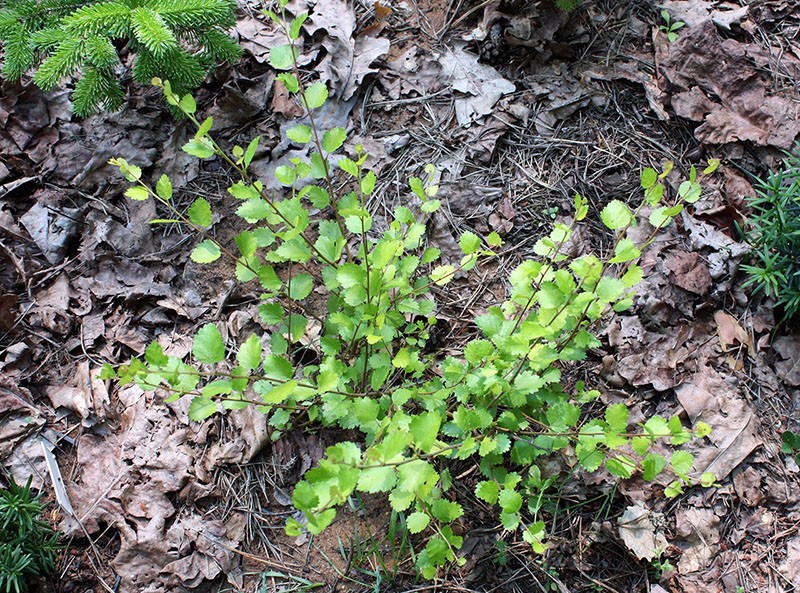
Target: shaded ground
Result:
[519, 107]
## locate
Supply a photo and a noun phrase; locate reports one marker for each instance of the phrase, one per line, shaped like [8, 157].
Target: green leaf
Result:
[285, 175]
[703, 429]
[648, 178]
[377, 479]
[625, 251]
[681, 462]
[301, 286]
[299, 134]
[249, 355]
[164, 188]
[316, 95]
[281, 57]
[616, 215]
[441, 275]
[494, 240]
[205, 127]
[290, 81]
[674, 489]
[208, 346]
[333, 139]
[424, 430]
[154, 355]
[633, 276]
[368, 183]
[250, 152]
[430, 206]
[477, 351]
[446, 511]
[318, 197]
[661, 217]
[206, 252]
[247, 243]
[617, 417]
[277, 395]
[138, 193]
[201, 408]
[469, 243]
[188, 104]
[304, 497]
[348, 166]
[609, 289]
[652, 465]
[417, 522]
[510, 501]
[200, 212]
[656, 427]
[487, 491]
[296, 25]
[509, 521]
[621, 466]
[200, 148]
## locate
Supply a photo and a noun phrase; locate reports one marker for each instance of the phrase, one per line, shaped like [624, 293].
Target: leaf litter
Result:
[513, 134]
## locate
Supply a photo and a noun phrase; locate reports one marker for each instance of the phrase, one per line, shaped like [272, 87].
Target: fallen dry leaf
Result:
[714, 82]
[86, 395]
[790, 568]
[462, 71]
[697, 536]
[707, 397]
[282, 101]
[689, 271]
[637, 530]
[347, 61]
[788, 369]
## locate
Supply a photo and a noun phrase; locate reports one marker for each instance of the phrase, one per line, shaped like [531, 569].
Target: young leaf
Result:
[368, 183]
[469, 243]
[200, 213]
[617, 417]
[206, 252]
[164, 188]
[188, 104]
[138, 193]
[250, 152]
[200, 148]
[299, 134]
[616, 215]
[487, 491]
[205, 127]
[201, 408]
[681, 462]
[249, 355]
[301, 286]
[510, 501]
[316, 95]
[417, 522]
[333, 139]
[281, 57]
[649, 178]
[441, 275]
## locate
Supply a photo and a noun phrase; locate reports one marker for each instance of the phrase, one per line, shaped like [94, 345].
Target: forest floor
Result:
[520, 107]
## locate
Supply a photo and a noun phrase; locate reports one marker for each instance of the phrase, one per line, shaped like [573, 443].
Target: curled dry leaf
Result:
[731, 334]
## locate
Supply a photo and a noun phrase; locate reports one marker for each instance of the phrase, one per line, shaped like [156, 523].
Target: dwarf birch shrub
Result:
[501, 401]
